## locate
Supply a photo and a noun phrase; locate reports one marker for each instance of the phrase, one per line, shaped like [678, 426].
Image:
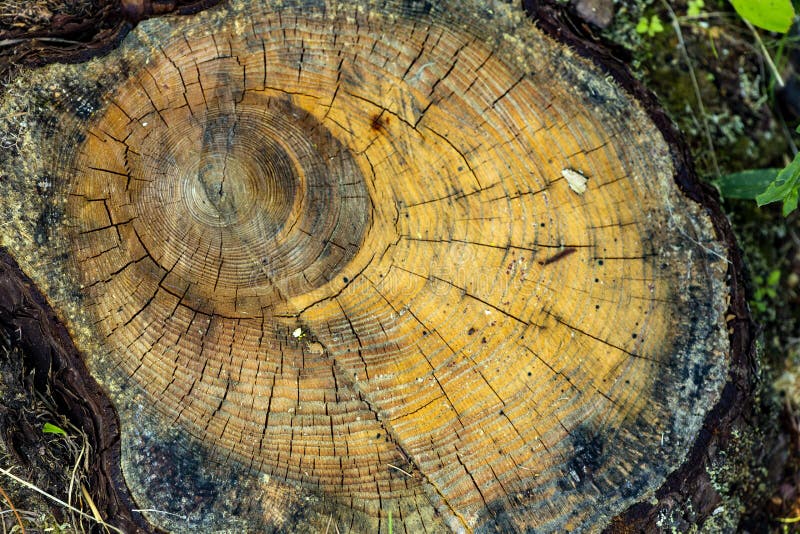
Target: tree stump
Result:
[377, 266]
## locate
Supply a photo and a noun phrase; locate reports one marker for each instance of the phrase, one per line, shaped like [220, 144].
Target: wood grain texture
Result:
[334, 260]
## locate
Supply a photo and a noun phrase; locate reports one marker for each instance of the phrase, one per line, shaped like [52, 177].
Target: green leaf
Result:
[695, 7]
[790, 202]
[642, 26]
[784, 188]
[772, 15]
[746, 184]
[774, 277]
[49, 428]
[655, 26]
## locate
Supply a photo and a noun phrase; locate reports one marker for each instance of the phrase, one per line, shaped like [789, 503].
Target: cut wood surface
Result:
[341, 262]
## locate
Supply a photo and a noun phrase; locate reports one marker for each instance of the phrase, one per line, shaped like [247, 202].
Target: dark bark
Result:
[58, 373]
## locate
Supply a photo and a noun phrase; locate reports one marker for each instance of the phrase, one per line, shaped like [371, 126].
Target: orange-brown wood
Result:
[372, 257]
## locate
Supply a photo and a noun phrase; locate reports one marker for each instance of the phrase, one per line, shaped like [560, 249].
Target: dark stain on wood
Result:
[559, 256]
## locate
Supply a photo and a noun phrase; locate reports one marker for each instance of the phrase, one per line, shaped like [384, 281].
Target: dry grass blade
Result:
[55, 499]
[12, 42]
[765, 54]
[406, 473]
[92, 506]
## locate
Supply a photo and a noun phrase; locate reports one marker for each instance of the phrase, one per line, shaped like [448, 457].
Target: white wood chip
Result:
[576, 181]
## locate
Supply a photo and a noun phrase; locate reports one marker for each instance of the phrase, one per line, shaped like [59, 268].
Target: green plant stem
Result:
[682, 45]
[767, 57]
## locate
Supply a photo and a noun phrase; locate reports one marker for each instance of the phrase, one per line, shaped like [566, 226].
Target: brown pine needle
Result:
[13, 509]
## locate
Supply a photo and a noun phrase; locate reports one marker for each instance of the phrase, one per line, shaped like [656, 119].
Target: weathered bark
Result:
[334, 261]
[59, 372]
[84, 30]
